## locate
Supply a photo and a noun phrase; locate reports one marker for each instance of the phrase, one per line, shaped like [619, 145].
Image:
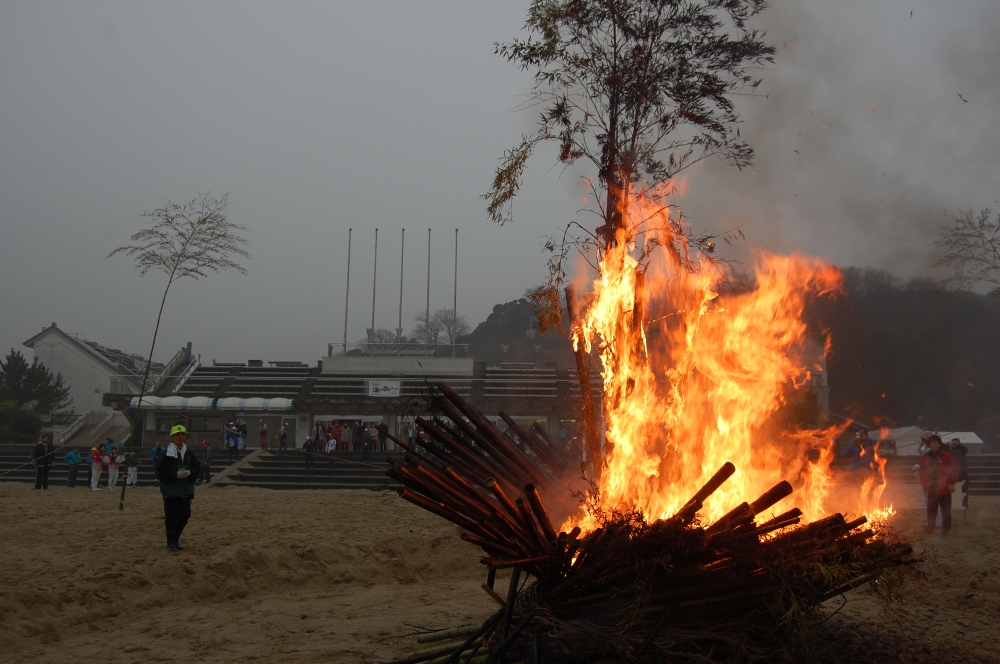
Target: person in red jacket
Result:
[938, 475]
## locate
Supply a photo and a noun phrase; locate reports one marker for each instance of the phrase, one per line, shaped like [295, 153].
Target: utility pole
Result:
[427, 318]
[454, 302]
[399, 327]
[371, 332]
[348, 294]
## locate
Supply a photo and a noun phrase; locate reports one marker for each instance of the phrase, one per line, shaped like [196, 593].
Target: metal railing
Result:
[90, 418]
[126, 384]
[187, 374]
[115, 422]
[177, 360]
[129, 383]
[405, 350]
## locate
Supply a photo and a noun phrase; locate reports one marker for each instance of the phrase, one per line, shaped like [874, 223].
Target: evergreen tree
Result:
[30, 396]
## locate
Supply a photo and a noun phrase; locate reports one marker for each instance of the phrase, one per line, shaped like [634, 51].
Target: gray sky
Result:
[317, 117]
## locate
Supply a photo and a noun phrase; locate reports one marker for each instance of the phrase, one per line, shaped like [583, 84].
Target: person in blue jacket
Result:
[72, 460]
[853, 452]
[156, 451]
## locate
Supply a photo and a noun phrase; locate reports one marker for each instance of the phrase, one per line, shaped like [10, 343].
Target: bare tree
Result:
[380, 336]
[427, 330]
[451, 324]
[638, 90]
[970, 246]
[188, 240]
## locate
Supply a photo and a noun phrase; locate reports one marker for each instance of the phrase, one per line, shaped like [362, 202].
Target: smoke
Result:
[864, 143]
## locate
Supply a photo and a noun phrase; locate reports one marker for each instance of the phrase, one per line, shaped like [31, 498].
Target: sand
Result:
[346, 576]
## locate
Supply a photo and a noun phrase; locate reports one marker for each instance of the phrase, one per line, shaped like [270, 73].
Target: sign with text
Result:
[383, 388]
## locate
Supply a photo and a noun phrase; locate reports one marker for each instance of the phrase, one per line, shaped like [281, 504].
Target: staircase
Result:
[175, 380]
[984, 475]
[343, 470]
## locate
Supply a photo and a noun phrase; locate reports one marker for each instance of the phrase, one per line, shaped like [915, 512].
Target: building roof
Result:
[126, 364]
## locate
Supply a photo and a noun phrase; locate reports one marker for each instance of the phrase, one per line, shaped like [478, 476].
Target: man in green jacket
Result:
[177, 469]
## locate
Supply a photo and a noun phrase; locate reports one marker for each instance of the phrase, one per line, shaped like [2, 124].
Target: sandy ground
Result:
[340, 576]
[950, 607]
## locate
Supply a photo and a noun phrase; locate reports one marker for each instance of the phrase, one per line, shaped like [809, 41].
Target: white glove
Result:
[183, 473]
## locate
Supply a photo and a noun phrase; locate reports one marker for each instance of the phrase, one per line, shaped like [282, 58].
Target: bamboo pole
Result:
[591, 438]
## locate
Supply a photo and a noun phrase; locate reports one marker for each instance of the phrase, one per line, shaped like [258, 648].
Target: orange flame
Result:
[696, 373]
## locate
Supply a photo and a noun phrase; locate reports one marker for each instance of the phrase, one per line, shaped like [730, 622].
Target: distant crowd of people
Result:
[343, 436]
[104, 457]
[942, 467]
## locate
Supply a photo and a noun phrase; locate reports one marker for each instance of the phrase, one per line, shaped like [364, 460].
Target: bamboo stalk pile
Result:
[732, 590]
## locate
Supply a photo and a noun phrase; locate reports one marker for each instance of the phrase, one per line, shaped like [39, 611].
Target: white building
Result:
[90, 370]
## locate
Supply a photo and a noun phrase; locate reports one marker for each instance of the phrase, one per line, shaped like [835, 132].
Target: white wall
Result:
[86, 376]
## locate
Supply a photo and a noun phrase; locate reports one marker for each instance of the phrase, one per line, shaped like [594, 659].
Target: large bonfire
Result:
[708, 528]
[696, 369]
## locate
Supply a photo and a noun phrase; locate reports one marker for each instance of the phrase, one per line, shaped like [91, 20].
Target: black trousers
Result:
[944, 502]
[41, 477]
[310, 461]
[176, 512]
[71, 478]
[206, 471]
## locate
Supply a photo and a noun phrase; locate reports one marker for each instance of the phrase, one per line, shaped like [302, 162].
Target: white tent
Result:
[906, 440]
[967, 438]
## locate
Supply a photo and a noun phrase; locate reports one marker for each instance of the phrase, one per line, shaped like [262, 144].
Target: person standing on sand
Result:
[132, 478]
[177, 469]
[938, 474]
[356, 432]
[72, 460]
[42, 456]
[112, 467]
[309, 447]
[283, 438]
[97, 458]
[233, 443]
[346, 435]
[157, 451]
[206, 463]
[959, 452]
[383, 440]
[366, 446]
[335, 436]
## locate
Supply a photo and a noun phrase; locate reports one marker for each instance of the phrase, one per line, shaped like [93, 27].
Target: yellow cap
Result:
[178, 428]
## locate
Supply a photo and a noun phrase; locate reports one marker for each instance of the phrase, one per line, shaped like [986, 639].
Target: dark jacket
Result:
[172, 486]
[937, 471]
[959, 452]
[206, 456]
[42, 455]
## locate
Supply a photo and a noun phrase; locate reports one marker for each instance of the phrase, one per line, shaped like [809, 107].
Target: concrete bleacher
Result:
[268, 470]
[288, 471]
[15, 466]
